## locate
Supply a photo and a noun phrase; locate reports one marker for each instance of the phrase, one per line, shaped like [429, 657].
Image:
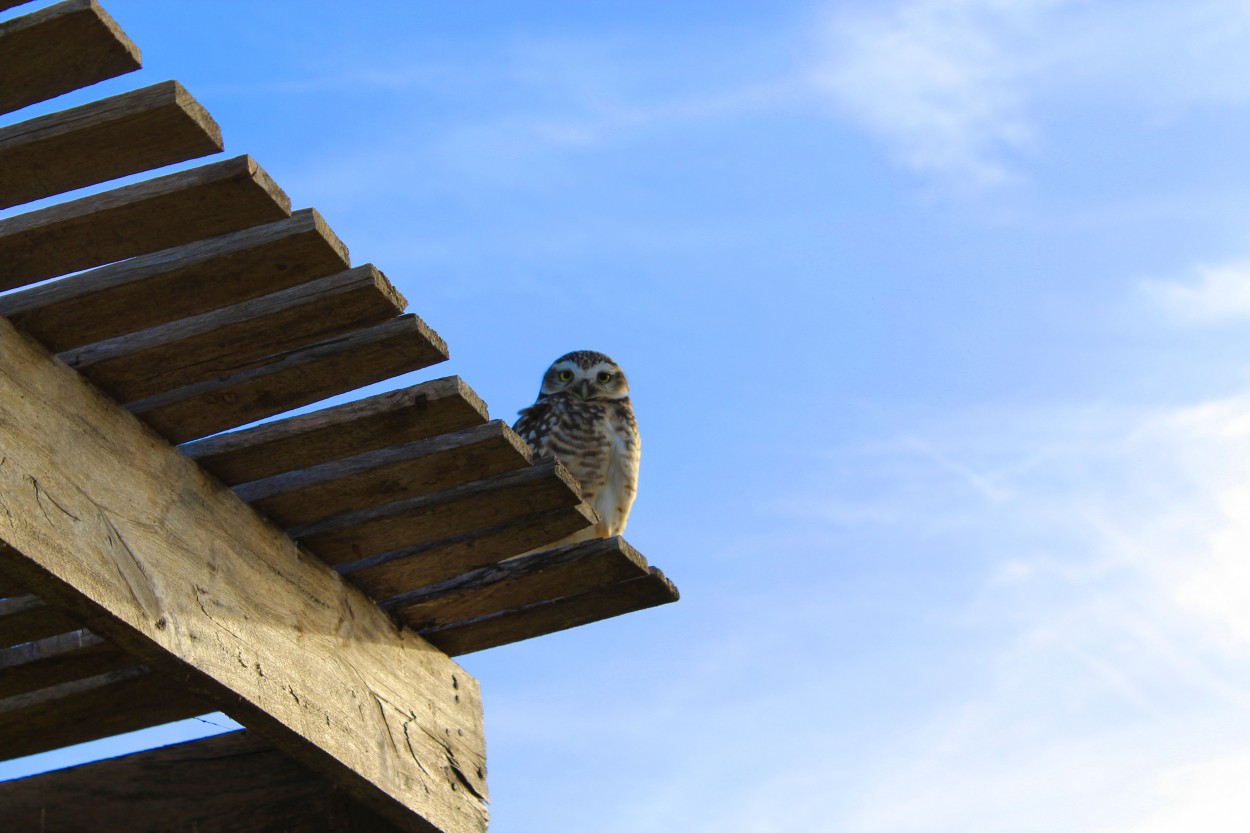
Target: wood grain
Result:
[105, 520]
[555, 615]
[356, 535]
[138, 219]
[284, 381]
[58, 49]
[216, 344]
[395, 572]
[229, 783]
[118, 136]
[385, 475]
[399, 416]
[168, 285]
[87, 709]
[521, 582]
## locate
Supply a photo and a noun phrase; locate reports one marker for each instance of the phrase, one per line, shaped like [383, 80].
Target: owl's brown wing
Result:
[536, 424]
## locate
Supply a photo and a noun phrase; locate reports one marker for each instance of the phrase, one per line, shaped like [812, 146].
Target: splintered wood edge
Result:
[92, 284]
[506, 627]
[65, 150]
[236, 168]
[293, 379]
[522, 582]
[138, 219]
[297, 442]
[121, 54]
[332, 471]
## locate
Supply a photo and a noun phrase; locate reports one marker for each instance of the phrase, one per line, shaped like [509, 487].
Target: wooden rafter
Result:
[139, 545]
[310, 576]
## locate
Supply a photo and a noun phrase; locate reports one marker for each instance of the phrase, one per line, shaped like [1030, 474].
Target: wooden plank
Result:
[107, 521]
[216, 344]
[417, 468]
[551, 616]
[399, 416]
[137, 219]
[358, 534]
[27, 618]
[176, 283]
[288, 380]
[58, 49]
[229, 783]
[118, 136]
[392, 573]
[89, 709]
[521, 582]
[57, 659]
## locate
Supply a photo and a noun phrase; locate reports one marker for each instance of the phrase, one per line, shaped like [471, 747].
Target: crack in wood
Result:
[452, 764]
[130, 568]
[41, 493]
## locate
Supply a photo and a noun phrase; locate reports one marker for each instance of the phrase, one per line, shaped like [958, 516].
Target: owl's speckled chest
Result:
[597, 441]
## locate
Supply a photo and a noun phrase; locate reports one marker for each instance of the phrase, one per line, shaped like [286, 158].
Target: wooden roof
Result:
[199, 302]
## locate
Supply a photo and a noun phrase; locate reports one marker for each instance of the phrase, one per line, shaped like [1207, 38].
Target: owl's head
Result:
[587, 375]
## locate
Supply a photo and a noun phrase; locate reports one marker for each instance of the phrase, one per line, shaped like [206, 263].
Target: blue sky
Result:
[935, 314]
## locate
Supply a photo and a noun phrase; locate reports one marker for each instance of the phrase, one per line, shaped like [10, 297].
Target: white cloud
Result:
[940, 81]
[1218, 293]
[1209, 795]
[963, 89]
[1114, 560]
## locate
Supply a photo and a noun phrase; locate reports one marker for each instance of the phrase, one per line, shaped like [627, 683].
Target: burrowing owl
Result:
[584, 419]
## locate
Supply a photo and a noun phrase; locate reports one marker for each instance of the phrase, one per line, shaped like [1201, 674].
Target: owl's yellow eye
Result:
[565, 376]
[604, 377]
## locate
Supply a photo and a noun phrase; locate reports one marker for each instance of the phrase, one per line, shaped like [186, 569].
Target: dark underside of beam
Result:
[231, 783]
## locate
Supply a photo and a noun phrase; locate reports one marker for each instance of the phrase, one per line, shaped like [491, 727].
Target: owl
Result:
[584, 419]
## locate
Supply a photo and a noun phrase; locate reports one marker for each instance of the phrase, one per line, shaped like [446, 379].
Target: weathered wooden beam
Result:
[399, 416]
[548, 617]
[27, 618]
[61, 48]
[288, 380]
[229, 783]
[58, 659]
[118, 136]
[358, 534]
[172, 284]
[107, 521]
[394, 572]
[91, 708]
[521, 582]
[375, 477]
[215, 344]
[137, 219]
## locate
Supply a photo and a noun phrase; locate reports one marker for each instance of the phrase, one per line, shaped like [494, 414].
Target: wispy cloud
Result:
[942, 82]
[1111, 587]
[1216, 293]
[963, 89]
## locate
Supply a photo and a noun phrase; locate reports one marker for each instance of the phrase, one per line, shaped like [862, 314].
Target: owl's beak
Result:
[582, 388]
